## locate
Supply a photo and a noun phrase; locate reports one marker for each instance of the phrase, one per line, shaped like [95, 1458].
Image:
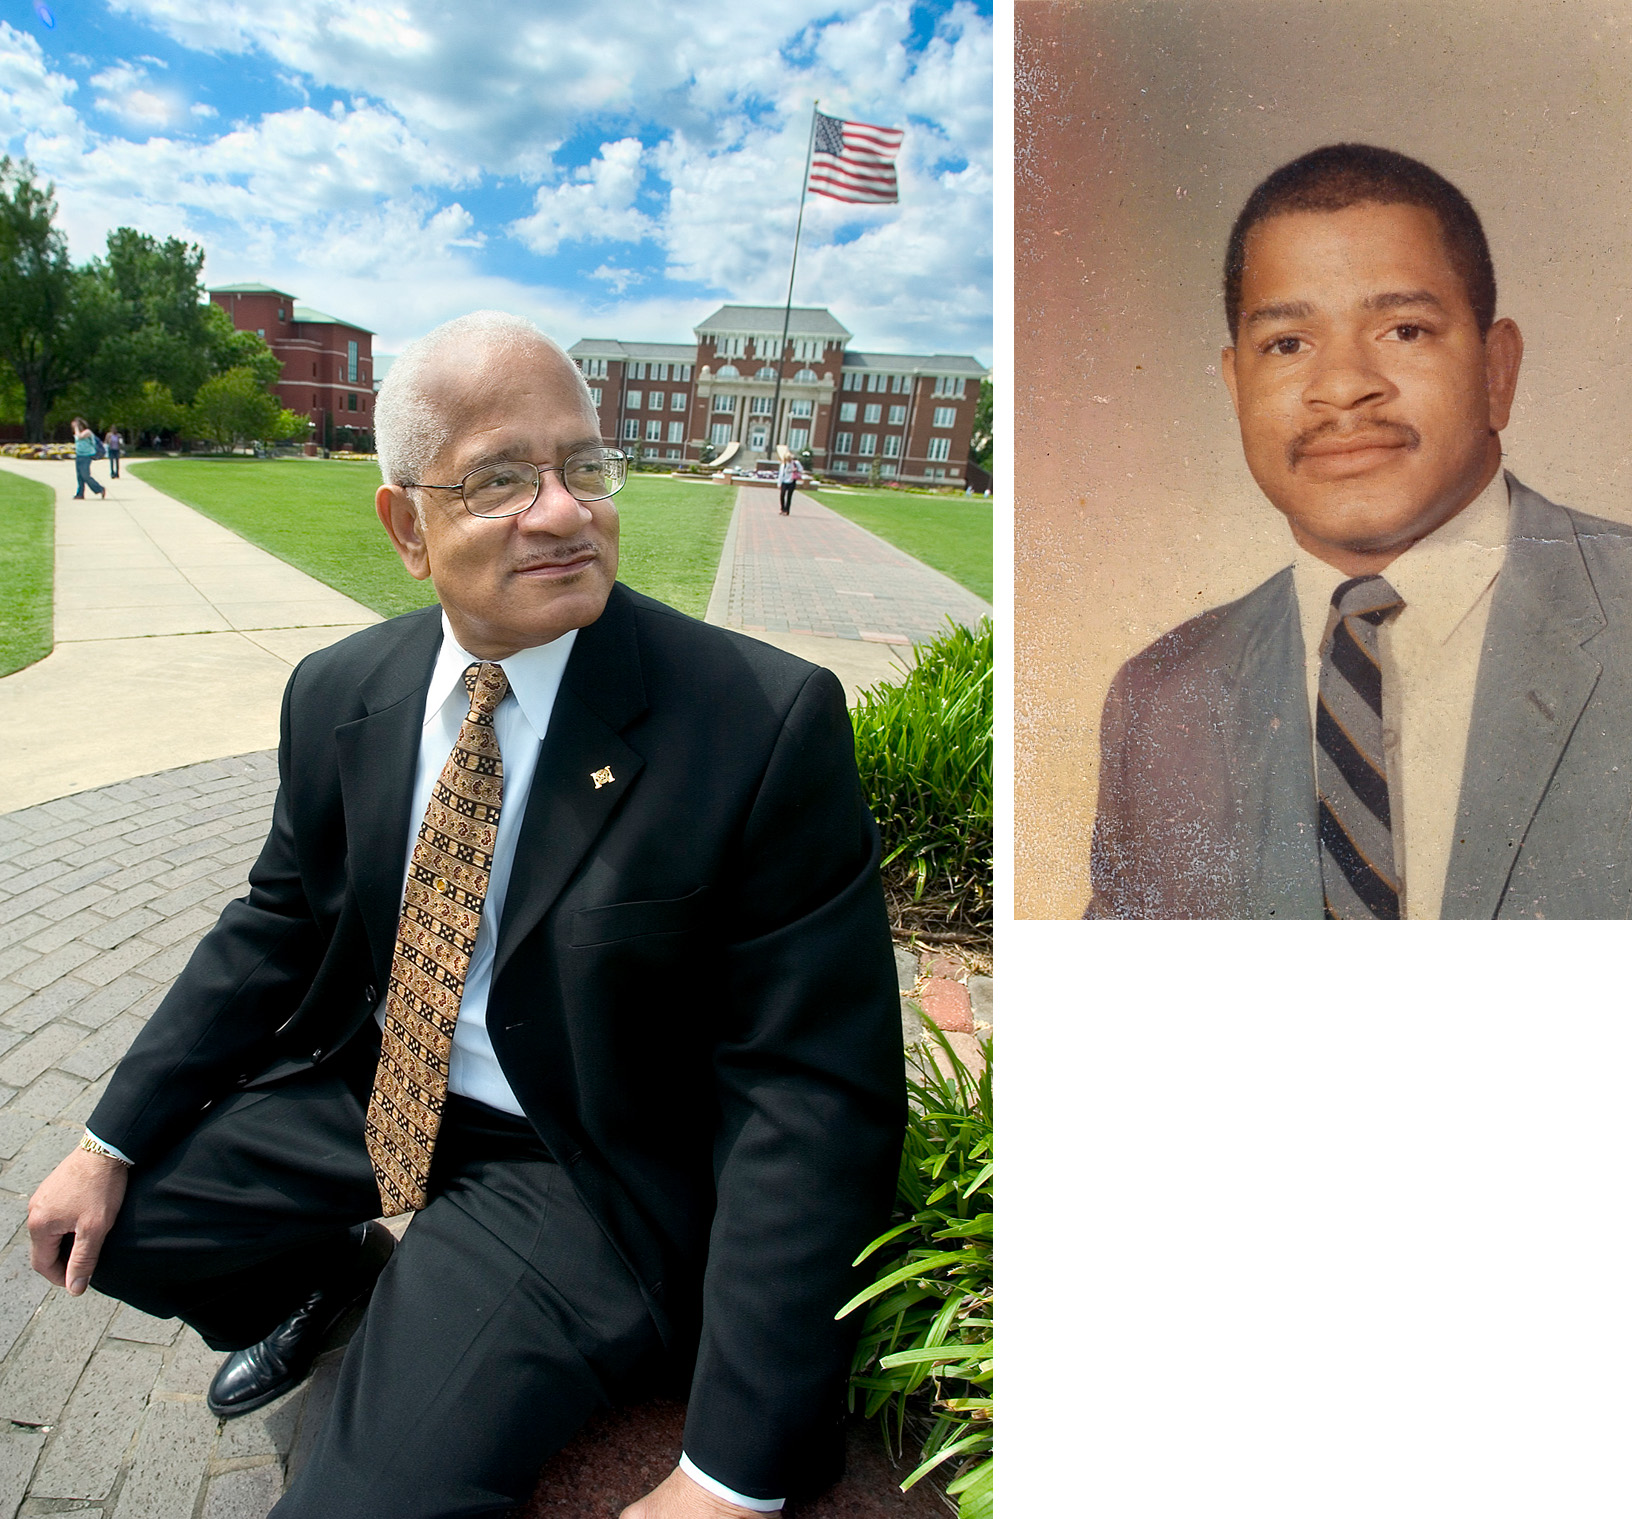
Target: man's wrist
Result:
[94, 1146]
[720, 1490]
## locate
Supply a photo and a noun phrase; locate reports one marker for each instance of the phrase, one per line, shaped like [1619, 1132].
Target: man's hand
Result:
[78, 1201]
[678, 1497]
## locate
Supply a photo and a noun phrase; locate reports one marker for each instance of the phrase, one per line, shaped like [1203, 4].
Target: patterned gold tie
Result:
[441, 911]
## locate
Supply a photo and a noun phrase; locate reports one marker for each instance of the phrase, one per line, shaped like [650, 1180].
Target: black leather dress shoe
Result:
[252, 1378]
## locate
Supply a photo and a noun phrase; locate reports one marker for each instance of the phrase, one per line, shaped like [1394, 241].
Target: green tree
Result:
[980, 442]
[52, 316]
[233, 409]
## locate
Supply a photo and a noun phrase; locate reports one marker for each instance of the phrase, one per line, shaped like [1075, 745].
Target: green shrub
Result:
[928, 1331]
[924, 747]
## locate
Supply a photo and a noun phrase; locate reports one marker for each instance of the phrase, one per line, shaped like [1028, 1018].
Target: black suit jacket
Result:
[693, 997]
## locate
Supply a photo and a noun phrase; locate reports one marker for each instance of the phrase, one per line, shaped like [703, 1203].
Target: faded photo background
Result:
[1139, 132]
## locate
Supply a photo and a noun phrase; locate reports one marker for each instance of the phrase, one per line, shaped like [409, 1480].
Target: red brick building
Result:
[911, 414]
[328, 364]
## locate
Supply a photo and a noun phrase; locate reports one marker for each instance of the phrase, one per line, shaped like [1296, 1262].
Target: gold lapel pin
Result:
[602, 777]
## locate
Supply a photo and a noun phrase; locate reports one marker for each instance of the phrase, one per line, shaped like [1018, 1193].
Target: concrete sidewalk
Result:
[174, 638]
[819, 586]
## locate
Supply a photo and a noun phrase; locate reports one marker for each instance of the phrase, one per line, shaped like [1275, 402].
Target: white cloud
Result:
[597, 205]
[359, 204]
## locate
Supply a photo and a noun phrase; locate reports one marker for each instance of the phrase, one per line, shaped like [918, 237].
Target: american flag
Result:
[854, 161]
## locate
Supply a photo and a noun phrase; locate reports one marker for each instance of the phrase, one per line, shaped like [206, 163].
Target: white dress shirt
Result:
[1429, 651]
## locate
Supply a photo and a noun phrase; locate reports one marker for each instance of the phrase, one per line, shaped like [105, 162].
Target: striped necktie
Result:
[1357, 865]
[441, 912]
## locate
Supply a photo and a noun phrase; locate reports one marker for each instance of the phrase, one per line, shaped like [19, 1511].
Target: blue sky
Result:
[611, 171]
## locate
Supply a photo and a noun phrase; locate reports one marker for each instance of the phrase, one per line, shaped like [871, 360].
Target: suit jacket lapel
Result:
[1270, 744]
[378, 754]
[1534, 680]
[572, 797]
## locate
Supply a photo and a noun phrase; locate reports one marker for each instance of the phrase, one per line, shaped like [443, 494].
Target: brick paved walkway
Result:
[817, 573]
[102, 897]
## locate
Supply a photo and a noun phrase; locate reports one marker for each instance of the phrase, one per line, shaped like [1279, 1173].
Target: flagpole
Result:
[787, 309]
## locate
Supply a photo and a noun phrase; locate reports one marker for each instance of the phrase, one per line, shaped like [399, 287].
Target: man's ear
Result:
[1504, 352]
[1226, 361]
[396, 514]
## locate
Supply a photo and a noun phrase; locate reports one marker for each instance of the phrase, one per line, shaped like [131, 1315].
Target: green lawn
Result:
[951, 533]
[27, 552]
[318, 514]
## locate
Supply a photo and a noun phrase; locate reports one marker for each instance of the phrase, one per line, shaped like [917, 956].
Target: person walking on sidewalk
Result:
[115, 446]
[84, 453]
[787, 476]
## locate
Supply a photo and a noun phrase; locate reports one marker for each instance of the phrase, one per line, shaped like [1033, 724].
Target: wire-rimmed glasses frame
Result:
[589, 475]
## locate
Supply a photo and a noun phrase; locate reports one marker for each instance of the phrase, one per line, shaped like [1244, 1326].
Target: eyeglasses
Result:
[508, 489]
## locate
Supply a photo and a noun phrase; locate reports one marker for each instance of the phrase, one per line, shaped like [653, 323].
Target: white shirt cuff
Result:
[720, 1490]
[112, 1150]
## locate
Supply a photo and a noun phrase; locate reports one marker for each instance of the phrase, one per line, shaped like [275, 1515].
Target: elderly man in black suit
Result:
[568, 938]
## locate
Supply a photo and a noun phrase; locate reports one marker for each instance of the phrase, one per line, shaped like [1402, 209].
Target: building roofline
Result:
[253, 287]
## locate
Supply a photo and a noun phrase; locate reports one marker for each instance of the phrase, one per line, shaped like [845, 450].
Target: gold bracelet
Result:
[94, 1146]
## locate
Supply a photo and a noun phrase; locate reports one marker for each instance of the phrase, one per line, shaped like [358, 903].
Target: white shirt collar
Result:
[1439, 577]
[534, 675]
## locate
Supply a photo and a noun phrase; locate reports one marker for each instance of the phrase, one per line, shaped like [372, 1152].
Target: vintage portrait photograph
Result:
[1322, 577]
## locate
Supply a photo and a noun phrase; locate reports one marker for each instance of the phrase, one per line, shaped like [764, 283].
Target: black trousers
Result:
[786, 488]
[503, 1321]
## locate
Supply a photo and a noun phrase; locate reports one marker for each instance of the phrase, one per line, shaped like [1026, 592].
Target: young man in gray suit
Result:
[1429, 713]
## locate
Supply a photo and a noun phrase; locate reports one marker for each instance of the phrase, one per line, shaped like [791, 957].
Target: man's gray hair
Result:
[409, 428]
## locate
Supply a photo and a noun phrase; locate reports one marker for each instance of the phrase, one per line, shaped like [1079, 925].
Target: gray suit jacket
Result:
[1207, 789]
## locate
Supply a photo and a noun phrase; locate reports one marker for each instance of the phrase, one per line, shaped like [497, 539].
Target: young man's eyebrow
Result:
[1391, 300]
[1279, 311]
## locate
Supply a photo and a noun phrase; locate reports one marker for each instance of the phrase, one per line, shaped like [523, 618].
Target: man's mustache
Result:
[1371, 434]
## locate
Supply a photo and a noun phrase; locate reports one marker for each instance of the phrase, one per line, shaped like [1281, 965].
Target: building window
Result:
[800, 408]
[869, 445]
[351, 365]
[631, 399]
[841, 443]
[595, 369]
[654, 430]
[260, 332]
[757, 438]
[900, 384]
[806, 377]
[720, 434]
[677, 432]
[759, 406]
[874, 414]
[673, 453]
[940, 448]
[314, 371]
[878, 382]
[595, 395]
[732, 347]
[945, 385]
[847, 411]
[767, 373]
[888, 472]
[637, 372]
[852, 381]
[809, 348]
[898, 416]
[730, 372]
[892, 445]
[726, 404]
[280, 313]
[682, 371]
[798, 438]
[677, 400]
[660, 371]
[945, 416]
[631, 429]
[768, 346]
